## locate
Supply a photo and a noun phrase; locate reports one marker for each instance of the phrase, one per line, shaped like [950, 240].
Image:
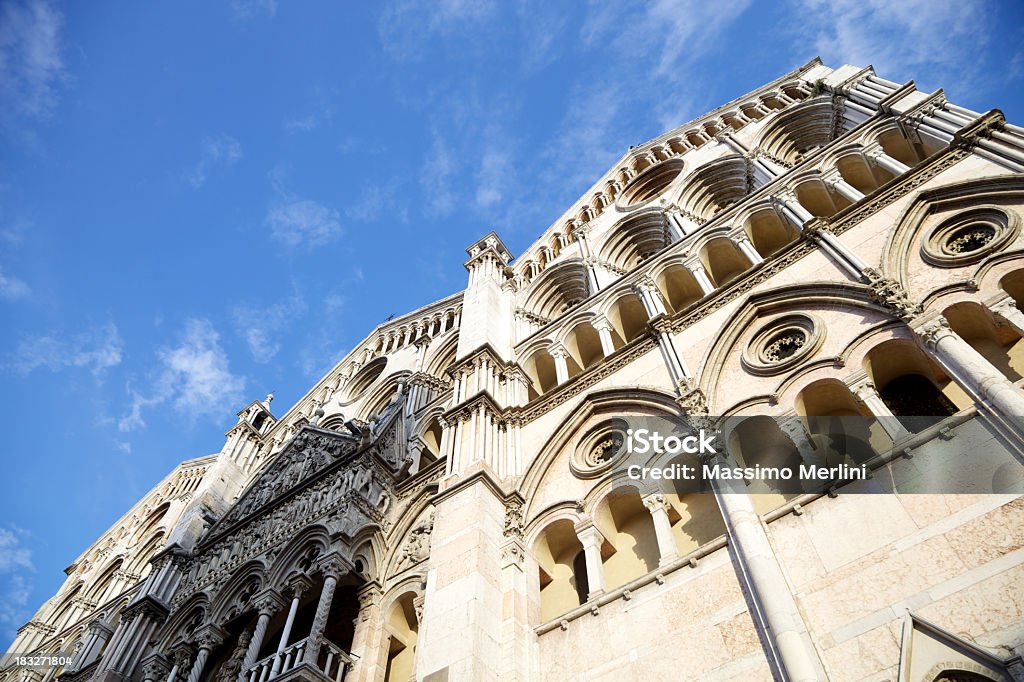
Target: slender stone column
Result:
[206, 640]
[99, 632]
[971, 370]
[1008, 311]
[267, 604]
[867, 394]
[299, 585]
[182, 656]
[332, 567]
[787, 203]
[835, 180]
[590, 537]
[876, 155]
[701, 275]
[367, 653]
[561, 364]
[759, 569]
[604, 332]
[747, 248]
[658, 507]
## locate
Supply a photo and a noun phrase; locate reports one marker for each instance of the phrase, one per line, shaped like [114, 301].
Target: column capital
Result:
[182, 655]
[269, 602]
[934, 330]
[588, 534]
[155, 667]
[334, 565]
[1004, 306]
[299, 584]
[600, 322]
[558, 351]
[655, 501]
[209, 636]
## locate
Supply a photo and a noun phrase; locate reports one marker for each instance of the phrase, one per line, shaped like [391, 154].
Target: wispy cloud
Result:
[31, 66]
[263, 326]
[15, 563]
[12, 288]
[249, 9]
[377, 201]
[902, 38]
[436, 177]
[303, 221]
[193, 377]
[219, 151]
[97, 350]
[406, 25]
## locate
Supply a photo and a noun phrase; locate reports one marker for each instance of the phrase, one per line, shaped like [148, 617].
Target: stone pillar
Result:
[658, 506]
[876, 155]
[461, 634]
[333, 567]
[591, 539]
[1008, 311]
[794, 430]
[367, 652]
[561, 364]
[298, 585]
[604, 332]
[207, 639]
[791, 209]
[971, 370]
[866, 393]
[182, 656]
[267, 603]
[777, 612]
[748, 250]
[649, 295]
[835, 180]
[99, 633]
[701, 275]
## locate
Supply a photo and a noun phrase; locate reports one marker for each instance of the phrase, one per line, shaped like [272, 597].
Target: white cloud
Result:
[193, 377]
[224, 151]
[436, 177]
[406, 25]
[303, 221]
[247, 9]
[31, 67]
[900, 38]
[12, 288]
[15, 561]
[263, 326]
[97, 350]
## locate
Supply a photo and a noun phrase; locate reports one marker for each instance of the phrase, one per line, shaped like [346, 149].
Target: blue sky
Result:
[203, 202]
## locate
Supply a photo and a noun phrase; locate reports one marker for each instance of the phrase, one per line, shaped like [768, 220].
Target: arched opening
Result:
[896, 145]
[364, 379]
[819, 199]
[651, 182]
[953, 675]
[723, 260]
[540, 368]
[694, 514]
[636, 239]
[562, 569]
[799, 132]
[558, 289]
[862, 175]
[679, 287]
[584, 346]
[911, 385]
[1000, 344]
[1013, 284]
[841, 429]
[758, 440]
[768, 232]
[628, 317]
[715, 187]
[100, 591]
[403, 631]
[629, 530]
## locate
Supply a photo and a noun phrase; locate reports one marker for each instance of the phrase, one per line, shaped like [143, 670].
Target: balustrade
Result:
[332, 662]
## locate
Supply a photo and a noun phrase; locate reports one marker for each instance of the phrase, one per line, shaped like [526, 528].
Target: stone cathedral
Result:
[445, 504]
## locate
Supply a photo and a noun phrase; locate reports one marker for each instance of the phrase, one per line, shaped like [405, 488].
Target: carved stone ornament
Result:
[514, 519]
[599, 449]
[782, 344]
[890, 294]
[417, 545]
[969, 236]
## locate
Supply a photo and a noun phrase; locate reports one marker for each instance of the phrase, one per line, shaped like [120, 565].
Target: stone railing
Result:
[332, 665]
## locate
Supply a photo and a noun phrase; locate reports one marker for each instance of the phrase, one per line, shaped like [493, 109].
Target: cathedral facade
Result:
[450, 502]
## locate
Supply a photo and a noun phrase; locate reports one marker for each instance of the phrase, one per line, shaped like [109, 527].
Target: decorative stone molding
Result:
[890, 294]
[599, 449]
[969, 236]
[783, 344]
